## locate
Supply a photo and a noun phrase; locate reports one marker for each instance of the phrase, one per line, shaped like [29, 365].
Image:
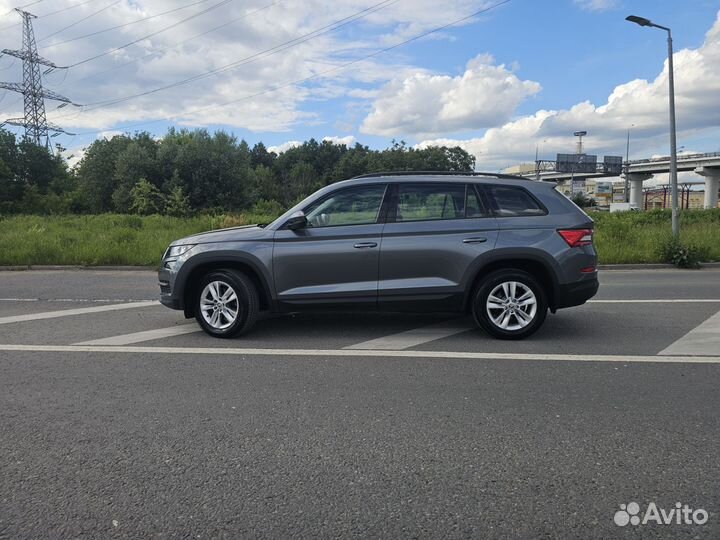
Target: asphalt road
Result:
[337, 425]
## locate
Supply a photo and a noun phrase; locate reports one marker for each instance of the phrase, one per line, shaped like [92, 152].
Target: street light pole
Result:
[627, 168]
[673, 144]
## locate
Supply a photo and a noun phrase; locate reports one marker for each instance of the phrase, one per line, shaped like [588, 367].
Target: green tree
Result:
[137, 160]
[10, 189]
[177, 204]
[95, 173]
[264, 184]
[145, 198]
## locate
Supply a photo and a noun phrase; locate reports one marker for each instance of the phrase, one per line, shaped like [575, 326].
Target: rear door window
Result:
[511, 201]
[423, 202]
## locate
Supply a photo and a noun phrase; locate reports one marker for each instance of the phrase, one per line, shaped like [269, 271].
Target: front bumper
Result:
[166, 281]
[576, 294]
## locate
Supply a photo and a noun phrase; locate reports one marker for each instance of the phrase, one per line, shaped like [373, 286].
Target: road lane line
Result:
[314, 353]
[659, 301]
[93, 300]
[147, 335]
[77, 311]
[703, 340]
[416, 336]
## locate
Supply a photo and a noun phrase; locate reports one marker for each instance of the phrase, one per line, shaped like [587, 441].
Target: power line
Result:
[126, 24]
[65, 9]
[317, 75]
[164, 49]
[267, 52]
[52, 13]
[110, 51]
[81, 20]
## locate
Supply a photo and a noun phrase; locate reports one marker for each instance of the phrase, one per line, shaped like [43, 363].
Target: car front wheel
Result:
[226, 304]
[509, 304]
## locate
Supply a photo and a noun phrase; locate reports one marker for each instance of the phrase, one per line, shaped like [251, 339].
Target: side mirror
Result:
[296, 221]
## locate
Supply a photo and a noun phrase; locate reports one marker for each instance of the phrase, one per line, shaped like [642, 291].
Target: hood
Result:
[233, 234]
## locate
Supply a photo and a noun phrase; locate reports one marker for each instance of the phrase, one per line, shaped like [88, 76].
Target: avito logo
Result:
[679, 515]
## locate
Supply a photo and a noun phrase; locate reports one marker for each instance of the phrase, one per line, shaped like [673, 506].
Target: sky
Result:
[502, 79]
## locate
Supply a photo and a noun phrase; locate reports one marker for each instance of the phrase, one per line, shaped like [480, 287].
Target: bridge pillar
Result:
[712, 180]
[636, 192]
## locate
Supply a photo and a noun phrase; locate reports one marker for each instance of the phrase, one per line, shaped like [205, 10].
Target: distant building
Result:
[521, 168]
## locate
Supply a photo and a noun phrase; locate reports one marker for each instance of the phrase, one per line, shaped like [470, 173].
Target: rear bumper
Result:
[576, 294]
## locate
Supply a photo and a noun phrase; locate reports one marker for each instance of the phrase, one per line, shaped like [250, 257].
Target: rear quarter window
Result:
[512, 201]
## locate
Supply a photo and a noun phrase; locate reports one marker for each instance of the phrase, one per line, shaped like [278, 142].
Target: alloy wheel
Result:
[511, 305]
[219, 305]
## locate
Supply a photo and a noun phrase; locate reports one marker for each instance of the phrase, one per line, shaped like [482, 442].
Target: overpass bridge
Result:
[638, 171]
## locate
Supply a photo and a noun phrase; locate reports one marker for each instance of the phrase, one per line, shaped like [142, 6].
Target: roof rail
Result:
[440, 173]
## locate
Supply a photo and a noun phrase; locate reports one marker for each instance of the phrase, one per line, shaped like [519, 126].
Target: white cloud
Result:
[424, 104]
[641, 103]
[348, 140]
[263, 99]
[74, 156]
[284, 147]
[596, 5]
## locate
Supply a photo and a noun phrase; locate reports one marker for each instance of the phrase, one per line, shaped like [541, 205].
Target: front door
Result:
[334, 260]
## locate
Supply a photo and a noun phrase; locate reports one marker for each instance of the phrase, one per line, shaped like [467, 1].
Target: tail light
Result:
[577, 237]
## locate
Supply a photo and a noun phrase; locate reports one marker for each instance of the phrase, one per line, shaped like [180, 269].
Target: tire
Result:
[214, 316]
[502, 313]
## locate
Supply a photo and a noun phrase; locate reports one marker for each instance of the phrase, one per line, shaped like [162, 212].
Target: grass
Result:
[638, 237]
[111, 239]
[106, 239]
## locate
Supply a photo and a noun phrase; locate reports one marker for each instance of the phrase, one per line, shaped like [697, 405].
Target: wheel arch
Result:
[192, 276]
[533, 264]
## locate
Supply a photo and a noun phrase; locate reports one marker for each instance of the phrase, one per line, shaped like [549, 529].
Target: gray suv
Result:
[503, 248]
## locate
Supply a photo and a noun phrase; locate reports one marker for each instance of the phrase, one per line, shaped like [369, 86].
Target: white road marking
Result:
[615, 301]
[658, 301]
[416, 336]
[147, 335]
[93, 300]
[227, 351]
[77, 311]
[703, 340]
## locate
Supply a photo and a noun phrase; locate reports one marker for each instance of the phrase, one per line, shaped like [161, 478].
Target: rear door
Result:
[435, 231]
[334, 260]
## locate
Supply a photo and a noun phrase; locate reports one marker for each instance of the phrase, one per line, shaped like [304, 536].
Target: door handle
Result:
[363, 245]
[478, 240]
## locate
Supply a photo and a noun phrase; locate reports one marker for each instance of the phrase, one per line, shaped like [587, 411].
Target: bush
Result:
[146, 198]
[681, 255]
[268, 208]
[582, 200]
[177, 204]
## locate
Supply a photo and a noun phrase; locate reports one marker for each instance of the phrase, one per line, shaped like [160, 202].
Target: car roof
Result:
[415, 177]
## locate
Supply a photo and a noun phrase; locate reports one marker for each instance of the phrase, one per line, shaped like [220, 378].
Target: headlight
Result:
[175, 251]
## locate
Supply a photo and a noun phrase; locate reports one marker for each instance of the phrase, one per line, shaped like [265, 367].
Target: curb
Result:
[24, 267]
[653, 266]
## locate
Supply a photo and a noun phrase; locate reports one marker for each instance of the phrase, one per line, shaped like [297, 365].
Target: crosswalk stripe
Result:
[147, 335]
[703, 340]
[414, 337]
[78, 311]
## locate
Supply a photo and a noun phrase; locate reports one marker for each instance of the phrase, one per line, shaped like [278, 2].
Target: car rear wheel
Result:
[509, 304]
[226, 304]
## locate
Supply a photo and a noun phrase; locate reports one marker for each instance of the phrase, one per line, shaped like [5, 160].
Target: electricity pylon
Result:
[35, 122]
